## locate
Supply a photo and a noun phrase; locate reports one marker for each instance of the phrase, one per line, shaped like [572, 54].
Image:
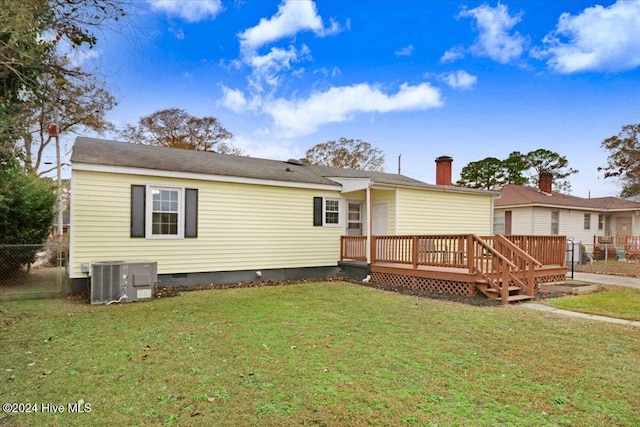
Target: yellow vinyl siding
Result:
[437, 212]
[240, 227]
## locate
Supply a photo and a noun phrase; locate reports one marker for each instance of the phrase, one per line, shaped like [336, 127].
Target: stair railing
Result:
[525, 263]
[495, 268]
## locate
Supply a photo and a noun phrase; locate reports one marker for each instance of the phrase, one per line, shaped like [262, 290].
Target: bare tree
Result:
[346, 153]
[77, 104]
[176, 128]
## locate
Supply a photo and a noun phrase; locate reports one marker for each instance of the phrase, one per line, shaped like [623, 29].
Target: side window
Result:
[331, 211]
[164, 212]
[555, 222]
[326, 211]
[587, 221]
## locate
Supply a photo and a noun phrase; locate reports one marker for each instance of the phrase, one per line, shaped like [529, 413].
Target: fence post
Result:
[414, 252]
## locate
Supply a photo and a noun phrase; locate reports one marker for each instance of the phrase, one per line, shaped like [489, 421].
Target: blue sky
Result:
[419, 79]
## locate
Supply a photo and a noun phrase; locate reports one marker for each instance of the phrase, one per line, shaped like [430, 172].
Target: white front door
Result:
[380, 219]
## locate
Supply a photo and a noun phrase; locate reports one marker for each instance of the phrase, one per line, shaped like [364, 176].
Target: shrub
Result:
[26, 214]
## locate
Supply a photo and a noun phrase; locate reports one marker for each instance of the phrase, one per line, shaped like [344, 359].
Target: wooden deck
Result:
[466, 264]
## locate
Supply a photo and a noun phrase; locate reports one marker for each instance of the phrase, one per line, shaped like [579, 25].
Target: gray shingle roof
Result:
[113, 153]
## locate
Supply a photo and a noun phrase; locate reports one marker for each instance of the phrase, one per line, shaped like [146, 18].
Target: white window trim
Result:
[149, 213]
[587, 221]
[557, 223]
[340, 212]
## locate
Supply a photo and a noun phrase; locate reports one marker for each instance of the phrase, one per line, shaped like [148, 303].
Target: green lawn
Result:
[623, 303]
[329, 354]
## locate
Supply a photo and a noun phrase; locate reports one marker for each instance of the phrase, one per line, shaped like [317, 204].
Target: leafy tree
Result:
[487, 173]
[520, 169]
[542, 160]
[624, 159]
[26, 214]
[346, 153]
[514, 168]
[176, 128]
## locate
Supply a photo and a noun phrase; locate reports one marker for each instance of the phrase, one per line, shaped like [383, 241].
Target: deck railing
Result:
[633, 241]
[446, 250]
[353, 247]
[630, 245]
[547, 250]
[433, 250]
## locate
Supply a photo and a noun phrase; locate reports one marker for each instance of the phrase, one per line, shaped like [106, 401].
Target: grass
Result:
[623, 303]
[327, 354]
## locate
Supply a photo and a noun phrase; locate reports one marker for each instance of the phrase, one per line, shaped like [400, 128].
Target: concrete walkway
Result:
[607, 279]
[548, 309]
[602, 279]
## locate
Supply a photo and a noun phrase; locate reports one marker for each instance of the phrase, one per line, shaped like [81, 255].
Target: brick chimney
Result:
[443, 170]
[545, 182]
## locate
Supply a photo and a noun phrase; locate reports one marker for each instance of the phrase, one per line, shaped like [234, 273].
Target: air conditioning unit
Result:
[122, 281]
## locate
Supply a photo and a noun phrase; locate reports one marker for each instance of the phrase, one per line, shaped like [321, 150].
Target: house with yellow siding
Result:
[212, 218]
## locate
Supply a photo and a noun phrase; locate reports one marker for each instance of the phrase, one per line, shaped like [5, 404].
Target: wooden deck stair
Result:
[515, 293]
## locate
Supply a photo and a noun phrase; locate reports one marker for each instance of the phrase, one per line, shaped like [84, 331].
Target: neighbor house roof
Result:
[519, 195]
[91, 151]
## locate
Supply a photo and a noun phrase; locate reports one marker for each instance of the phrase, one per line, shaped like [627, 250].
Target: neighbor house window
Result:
[601, 222]
[555, 222]
[164, 212]
[587, 221]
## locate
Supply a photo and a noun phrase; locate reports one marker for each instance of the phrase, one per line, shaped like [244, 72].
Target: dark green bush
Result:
[26, 214]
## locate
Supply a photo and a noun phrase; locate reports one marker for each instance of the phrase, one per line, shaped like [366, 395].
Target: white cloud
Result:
[334, 72]
[339, 104]
[495, 37]
[459, 79]
[178, 32]
[190, 11]
[233, 99]
[268, 67]
[292, 17]
[598, 39]
[453, 54]
[405, 51]
[77, 57]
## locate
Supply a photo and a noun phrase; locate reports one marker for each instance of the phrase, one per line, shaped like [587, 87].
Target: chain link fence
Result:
[34, 270]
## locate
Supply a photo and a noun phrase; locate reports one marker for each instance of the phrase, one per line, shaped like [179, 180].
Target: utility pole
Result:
[54, 132]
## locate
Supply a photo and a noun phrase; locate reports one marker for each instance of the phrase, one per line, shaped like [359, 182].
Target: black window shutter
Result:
[138, 195]
[191, 212]
[317, 211]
